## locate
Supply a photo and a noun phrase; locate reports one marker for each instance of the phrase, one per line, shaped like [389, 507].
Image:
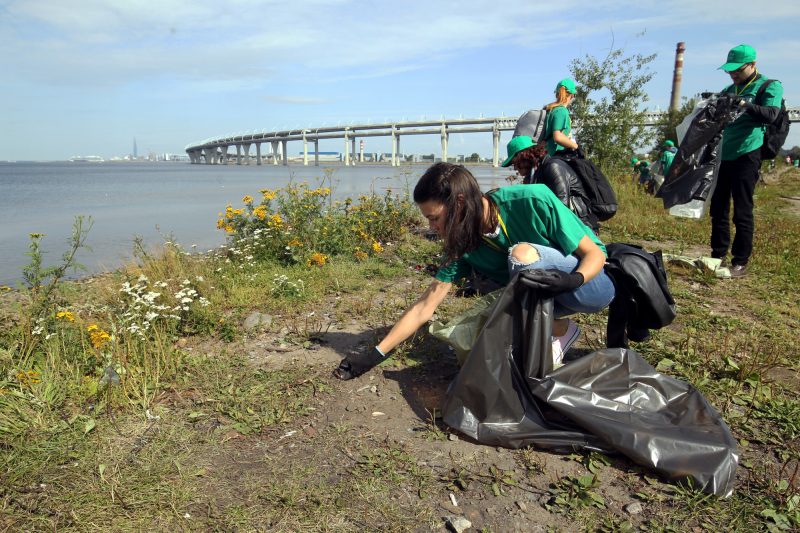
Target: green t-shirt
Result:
[666, 161]
[557, 120]
[531, 213]
[745, 134]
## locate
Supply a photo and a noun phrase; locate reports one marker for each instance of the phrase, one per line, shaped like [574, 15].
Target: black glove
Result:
[552, 281]
[349, 369]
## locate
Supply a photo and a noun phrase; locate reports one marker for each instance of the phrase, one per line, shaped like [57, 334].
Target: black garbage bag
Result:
[694, 169]
[507, 394]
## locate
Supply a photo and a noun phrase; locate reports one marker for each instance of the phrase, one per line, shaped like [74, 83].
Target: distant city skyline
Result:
[89, 77]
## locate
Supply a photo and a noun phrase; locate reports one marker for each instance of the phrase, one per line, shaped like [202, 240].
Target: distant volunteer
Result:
[558, 125]
[741, 158]
[531, 161]
[667, 156]
[500, 233]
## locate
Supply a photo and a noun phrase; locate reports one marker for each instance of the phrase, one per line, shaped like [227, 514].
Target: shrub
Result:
[301, 225]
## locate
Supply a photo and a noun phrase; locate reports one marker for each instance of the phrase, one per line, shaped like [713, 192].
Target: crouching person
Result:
[500, 233]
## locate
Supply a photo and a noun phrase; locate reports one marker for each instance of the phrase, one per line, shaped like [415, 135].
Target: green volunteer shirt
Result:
[666, 161]
[531, 213]
[745, 134]
[557, 120]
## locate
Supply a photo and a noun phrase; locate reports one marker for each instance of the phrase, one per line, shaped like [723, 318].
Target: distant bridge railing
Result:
[215, 150]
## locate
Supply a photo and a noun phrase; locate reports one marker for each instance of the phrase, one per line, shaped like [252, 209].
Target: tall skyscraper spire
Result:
[135, 151]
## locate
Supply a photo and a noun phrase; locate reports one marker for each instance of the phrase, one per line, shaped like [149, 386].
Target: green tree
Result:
[666, 130]
[609, 108]
[474, 158]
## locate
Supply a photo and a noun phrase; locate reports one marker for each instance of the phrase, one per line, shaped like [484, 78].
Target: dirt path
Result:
[372, 454]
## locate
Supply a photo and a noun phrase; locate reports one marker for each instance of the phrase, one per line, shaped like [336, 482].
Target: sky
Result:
[86, 77]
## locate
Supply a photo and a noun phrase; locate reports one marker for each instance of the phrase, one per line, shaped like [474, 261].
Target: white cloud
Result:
[295, 100]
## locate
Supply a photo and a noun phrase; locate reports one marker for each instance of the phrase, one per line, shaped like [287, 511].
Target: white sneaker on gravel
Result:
[562, 344]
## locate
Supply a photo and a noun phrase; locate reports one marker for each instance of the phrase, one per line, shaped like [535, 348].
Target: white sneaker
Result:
[562, 344]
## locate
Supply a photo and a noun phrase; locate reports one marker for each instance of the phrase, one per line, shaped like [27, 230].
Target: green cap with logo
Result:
[516, 145]
[738, 56]
[668, 144]
[568, 84]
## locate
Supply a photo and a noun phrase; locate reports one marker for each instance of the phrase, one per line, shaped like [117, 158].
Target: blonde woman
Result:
[558, 124]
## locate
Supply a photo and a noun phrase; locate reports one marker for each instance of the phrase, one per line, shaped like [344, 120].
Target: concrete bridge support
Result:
[258, 153]
[353, 149]
[224, 154]
[305, 149]
[316, 152]
[445, 137]
[246, 149]
[346, 148]
[495, 146]
[275, 152]
[285, 152]
[207, 155]
[394, 146]
[238, 154]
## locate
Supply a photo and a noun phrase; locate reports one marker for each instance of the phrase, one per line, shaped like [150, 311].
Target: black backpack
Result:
[600, 196]
[777, 131]
[642, 301]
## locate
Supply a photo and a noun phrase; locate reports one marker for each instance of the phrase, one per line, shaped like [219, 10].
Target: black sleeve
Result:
[763, 113]
[555, 177]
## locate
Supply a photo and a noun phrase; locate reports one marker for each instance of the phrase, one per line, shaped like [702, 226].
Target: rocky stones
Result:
[257, 321]
[458, 524]
[633, 508]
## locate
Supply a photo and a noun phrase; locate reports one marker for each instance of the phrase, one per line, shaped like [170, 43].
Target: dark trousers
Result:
[737, 180]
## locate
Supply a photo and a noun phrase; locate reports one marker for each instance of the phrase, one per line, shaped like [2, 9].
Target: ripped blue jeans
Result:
[590, 297]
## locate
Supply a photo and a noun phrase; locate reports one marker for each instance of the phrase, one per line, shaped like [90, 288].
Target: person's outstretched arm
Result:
[416, 315]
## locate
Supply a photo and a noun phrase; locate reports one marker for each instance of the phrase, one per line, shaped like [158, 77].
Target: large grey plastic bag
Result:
[612, 400]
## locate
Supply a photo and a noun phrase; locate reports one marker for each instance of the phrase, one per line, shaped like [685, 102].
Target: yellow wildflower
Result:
[31, 377]
[295, 242]
[37, 235]
[317, 259]
[267, 194]
[260, 212]
[229, 228]
[247, 199]
[220, 223]
[275, 221]
[376, 247]
[5, 288]
[65, 315]
[97, 336]
[361, 255]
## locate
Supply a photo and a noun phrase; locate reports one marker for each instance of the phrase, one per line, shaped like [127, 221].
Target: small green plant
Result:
[283, 287]
[574, 492]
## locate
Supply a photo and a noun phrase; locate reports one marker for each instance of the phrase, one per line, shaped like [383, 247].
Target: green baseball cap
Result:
[634, 160]
[668, 144]
[516, 145]
[568, 84]
[738, 56]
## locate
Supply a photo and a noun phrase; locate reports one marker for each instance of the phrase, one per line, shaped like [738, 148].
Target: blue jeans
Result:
[590, 297]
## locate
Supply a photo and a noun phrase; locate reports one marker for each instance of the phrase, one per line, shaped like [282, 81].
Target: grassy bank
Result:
[153, 398]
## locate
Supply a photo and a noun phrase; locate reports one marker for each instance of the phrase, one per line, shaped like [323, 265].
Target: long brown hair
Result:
[457, 189]
[562, 96]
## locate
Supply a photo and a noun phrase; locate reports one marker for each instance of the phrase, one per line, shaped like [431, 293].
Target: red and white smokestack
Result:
[677, 76]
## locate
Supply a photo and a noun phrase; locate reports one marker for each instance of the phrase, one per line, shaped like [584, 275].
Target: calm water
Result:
[154, 200]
